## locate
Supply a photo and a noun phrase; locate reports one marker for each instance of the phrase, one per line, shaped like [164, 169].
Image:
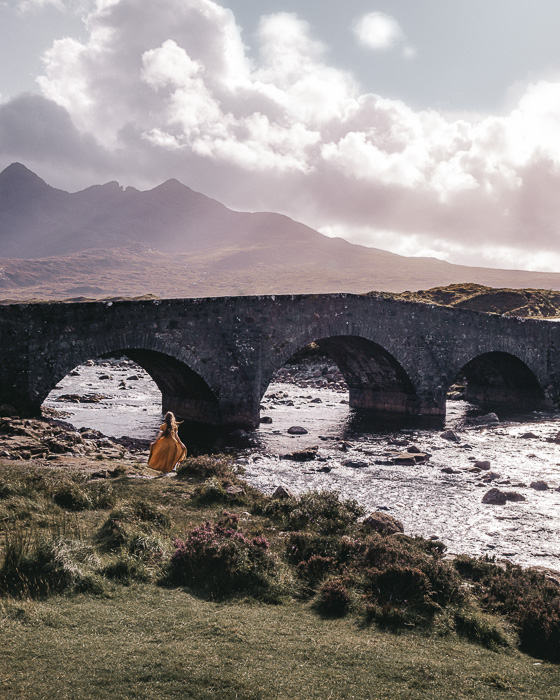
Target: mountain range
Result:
[171, 241]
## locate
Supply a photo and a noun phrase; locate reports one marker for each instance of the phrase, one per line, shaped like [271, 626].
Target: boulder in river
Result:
[539, 485]
[355, 463]
[383, 522]
[302, 455]
[495, 497]
[297, 430]
[514, 496]
[483, 464]
[487, 418]
[450, 435]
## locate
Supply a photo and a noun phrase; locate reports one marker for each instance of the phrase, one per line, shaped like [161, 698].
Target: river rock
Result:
[297, 430]
[281, 492]
[487, 418]
[355, 463]
[491, 476]
[266, 419]
[539, 485]
[450, 435]
[411, 458]
[482, 464]
[495, 497]
[528, 436]
[302, 455]
[383, 522]
[514, 496]
[449, 470]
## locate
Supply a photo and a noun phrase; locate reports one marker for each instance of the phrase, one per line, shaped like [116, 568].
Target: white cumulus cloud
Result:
[378, 31]
[169, 89]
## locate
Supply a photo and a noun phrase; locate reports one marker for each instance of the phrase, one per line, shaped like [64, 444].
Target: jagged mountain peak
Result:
[17, 175]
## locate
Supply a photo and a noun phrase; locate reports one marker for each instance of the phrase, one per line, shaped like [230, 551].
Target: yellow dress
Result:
[166, 452]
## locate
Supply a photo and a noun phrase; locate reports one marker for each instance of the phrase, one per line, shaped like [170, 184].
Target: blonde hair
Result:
[171, 424]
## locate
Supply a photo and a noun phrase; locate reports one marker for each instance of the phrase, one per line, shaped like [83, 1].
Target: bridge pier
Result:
[227, 414]
[396, 402]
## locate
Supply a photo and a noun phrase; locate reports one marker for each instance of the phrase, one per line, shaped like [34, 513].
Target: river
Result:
[356, 458]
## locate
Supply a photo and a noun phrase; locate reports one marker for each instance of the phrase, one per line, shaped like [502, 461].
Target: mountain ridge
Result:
[172, 241]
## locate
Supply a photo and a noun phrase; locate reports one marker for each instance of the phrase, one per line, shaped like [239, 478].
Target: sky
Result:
[424, 127]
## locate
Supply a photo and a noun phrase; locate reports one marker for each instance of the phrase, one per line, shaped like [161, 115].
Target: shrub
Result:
[206, 466]
[524, 596]
[321, 511]
[333, 599]
[220, 559]
[316, 568]
[211, 491]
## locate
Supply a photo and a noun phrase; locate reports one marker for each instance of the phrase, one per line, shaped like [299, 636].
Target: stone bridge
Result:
[214, 358]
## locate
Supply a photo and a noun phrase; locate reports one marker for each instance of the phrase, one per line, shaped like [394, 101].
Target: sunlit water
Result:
[428, 501]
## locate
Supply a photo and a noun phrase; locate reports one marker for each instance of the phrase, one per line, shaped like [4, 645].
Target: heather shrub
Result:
[302, 546]
[321, 511]
[206, 466]
[211, 491]
[333, 599]
[220, 559]
[316, 568]
[524, 596]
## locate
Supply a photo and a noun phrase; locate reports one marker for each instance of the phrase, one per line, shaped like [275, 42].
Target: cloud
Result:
[169, 89]
[32, 5]
[378, 31]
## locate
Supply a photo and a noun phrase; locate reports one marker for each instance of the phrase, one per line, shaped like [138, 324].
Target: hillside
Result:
[527, 303]
[173, 242]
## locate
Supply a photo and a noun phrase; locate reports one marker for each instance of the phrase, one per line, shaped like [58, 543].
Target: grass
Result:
[149, 642]
[106, 593]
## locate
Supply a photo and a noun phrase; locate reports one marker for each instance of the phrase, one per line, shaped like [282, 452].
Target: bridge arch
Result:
[180, 378]
[376, 379]
[499, 377]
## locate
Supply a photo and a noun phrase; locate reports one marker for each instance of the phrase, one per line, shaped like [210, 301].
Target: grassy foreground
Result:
[115, 588]
[149, 642]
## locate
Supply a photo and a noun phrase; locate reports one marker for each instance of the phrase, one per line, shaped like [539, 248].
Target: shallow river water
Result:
[357, 460]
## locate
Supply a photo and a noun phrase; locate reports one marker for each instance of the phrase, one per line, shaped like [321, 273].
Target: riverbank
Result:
[93, 606]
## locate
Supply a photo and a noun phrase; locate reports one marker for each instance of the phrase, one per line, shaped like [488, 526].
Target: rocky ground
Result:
[50, 442]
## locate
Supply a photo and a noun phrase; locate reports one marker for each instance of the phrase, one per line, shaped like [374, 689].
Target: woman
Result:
[167, 450]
